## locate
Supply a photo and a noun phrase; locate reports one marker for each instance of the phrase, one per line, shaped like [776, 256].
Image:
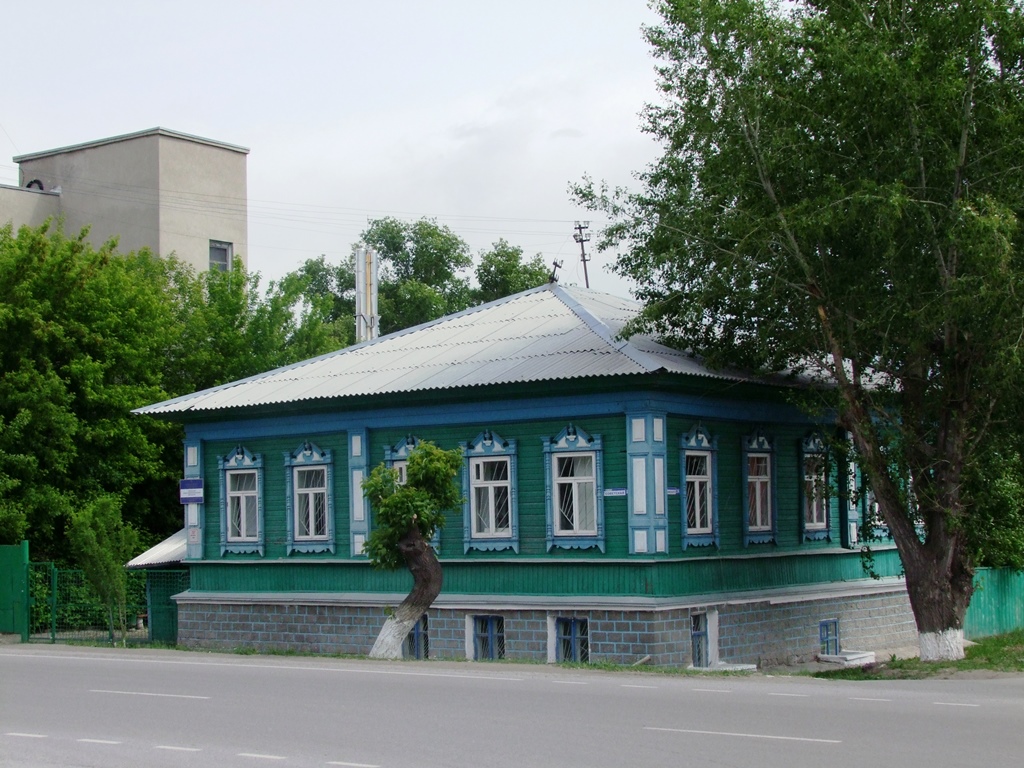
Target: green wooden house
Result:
[622, 501]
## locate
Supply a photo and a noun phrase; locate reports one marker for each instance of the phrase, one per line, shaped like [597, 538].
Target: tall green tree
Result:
[80, 330]
[103, 543]
[503, 272]
[406, 516]
[840, 194]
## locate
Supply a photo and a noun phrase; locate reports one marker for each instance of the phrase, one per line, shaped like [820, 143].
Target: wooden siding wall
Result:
[696, 570]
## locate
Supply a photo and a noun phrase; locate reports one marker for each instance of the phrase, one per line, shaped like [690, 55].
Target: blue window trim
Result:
[358, 506]
[828, 636]
[812, 445]
[489, 443]
[759, 443]
[308, 455]
[574, 632]
[647, 499]
[573, 439]
[492, 629]
[698, 439]
[240, 458]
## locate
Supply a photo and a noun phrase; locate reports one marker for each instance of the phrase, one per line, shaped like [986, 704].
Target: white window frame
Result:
[240, 498]
[815, 497]
[311, 494]
[305, 458]
[240, 462]
[759, 494]
[575, 482]
[487, 447]
[492, 488]
[698, 487]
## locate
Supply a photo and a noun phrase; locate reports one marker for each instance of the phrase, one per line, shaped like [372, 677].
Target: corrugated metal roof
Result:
[545, 334]
[170, 551]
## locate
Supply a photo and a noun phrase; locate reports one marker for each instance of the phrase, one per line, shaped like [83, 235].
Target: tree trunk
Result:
[427, 578]
[940, 589]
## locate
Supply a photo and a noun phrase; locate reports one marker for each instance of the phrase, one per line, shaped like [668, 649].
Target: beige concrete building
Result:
[161, 189]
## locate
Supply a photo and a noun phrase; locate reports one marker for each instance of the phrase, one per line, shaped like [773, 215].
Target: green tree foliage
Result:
[421, 271]
[419, 504]
[79, 330]
[103, 543]
[502, 272]
[840, 194]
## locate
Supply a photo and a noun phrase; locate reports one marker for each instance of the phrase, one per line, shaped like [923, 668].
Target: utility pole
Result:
[581, 236]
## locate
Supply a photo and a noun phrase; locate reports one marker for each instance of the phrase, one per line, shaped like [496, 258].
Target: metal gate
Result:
[63, 607]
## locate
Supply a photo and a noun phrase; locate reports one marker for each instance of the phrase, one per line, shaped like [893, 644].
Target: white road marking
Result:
[177, 749]
[653, 687]
[27, 735]
[864, 698]
[569, 682]
[793, 695]
[144, 693]
[954, 704]
[353, 765]
[261, 757]
[712, 690]
[97, 741]
[745, 735]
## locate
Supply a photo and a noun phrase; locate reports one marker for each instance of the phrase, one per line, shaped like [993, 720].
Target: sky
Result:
[477, 114]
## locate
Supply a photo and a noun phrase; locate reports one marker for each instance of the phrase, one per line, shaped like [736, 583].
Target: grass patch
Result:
[996, 654]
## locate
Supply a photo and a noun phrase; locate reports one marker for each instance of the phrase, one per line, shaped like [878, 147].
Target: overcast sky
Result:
[476, 113]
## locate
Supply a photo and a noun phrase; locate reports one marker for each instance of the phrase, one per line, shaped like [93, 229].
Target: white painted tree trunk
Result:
[947, 645]
[388, 644]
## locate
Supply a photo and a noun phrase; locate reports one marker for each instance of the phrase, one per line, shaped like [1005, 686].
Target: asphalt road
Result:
[67, 706]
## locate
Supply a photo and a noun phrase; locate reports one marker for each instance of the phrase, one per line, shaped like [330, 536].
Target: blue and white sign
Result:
[190, 490]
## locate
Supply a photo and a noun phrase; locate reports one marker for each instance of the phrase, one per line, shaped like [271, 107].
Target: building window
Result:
[759, 522]
[699, 489]
[417, 642]
[828, 634]
[221, 254]
[241, 502]
[575, 497]
[572, 638]
[243, 505]
[488, 638]
[699, 645]
[814, 492]
[574, 489]
[698, 492]
[489, 491]
[310, 507]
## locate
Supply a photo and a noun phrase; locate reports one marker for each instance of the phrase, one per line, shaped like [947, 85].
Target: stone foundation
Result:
[763, 630]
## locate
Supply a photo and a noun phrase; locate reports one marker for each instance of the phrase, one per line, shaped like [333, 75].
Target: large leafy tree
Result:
[841, 194]
[422, 266]
[80, 331]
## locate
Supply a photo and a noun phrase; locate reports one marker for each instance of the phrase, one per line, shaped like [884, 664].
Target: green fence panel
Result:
[64, 607]
[14, 589]
[997, 605]
[161, 586]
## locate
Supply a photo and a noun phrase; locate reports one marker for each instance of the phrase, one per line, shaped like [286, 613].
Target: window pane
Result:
[482, 517]
[241, 481]
[302, 515]
[696, 464]
[235, 523]
[320, 515]
[495, 471]
[501, 510]
[251, 528]
[311, 478]
[587, 507]
[566, 512]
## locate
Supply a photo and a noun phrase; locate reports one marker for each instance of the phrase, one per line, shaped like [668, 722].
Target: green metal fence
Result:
[65, 608]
